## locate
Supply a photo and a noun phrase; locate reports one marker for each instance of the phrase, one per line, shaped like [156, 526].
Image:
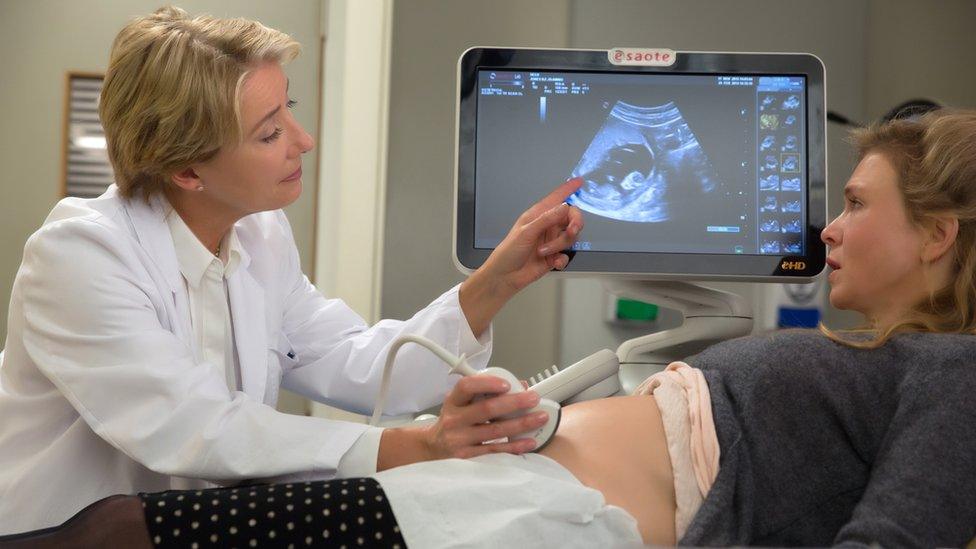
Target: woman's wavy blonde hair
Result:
[935, 157]
[171, 95]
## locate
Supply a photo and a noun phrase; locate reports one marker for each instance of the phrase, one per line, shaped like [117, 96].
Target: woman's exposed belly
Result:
[618, 446]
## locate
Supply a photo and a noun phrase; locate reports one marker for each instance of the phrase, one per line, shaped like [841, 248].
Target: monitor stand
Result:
[709, 316]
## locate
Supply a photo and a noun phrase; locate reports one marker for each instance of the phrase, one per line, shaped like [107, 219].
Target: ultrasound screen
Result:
[673, 163]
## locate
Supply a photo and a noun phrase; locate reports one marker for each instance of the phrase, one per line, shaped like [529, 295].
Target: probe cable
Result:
[459, 365]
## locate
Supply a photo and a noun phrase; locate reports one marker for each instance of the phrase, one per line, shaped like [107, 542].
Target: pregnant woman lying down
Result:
[793, 438]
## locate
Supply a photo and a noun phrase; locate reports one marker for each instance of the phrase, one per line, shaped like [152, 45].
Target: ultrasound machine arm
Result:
[709, 316]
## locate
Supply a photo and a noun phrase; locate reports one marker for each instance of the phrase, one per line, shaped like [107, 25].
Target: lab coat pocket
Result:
[281, 358]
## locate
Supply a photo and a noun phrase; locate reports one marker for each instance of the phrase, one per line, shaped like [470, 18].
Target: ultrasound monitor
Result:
[710, 168]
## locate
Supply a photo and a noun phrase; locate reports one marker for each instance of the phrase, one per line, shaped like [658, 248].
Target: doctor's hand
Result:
[535, 244]
[533, 247]
[469, 427]
[464, 428]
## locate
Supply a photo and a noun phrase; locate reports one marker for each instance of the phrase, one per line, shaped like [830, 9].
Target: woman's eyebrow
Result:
[273, 112]
[853, 189]
[266, 117]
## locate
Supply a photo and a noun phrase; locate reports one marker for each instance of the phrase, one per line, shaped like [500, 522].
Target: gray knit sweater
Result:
[824, 445]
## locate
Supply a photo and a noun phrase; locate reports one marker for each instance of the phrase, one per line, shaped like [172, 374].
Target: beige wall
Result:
[428, 37]
[40, 40]
[919, 48]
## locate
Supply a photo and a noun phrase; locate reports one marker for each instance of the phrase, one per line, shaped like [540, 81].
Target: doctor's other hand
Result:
[533, 247]
[464, 428]
[470, 426]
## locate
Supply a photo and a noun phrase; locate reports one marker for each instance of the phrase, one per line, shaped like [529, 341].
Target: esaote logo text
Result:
[644, 57]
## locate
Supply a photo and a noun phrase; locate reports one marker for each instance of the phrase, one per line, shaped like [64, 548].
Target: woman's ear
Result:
[941, 235]
[187, 179]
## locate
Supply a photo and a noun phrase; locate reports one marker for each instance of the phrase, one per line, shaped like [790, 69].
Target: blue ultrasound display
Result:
[671, 163]
[635, 160]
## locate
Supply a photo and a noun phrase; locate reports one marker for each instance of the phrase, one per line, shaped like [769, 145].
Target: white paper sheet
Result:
[502, 500]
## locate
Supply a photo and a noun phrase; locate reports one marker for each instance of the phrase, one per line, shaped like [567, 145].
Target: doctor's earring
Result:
[199, 188]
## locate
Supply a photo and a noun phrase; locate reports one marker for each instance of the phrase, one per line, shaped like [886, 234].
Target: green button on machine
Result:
[638, 311]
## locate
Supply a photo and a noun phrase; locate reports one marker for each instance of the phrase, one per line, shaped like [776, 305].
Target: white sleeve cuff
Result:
[467, 343]
[360, 459]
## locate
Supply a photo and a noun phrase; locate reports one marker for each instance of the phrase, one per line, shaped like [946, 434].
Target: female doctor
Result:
[151, 328]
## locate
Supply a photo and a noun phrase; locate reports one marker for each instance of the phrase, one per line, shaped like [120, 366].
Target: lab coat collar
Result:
[150, 225]
[149, 222]
[194, 258]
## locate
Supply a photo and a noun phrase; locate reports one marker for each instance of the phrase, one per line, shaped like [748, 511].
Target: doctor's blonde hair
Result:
[935, 158]
[171, 95]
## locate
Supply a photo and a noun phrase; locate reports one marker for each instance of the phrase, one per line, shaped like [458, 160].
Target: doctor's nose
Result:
[302, 142]
[305, 141]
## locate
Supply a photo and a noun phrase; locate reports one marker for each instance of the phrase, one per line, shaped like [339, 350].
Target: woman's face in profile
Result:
[264, 171]
[875, 252]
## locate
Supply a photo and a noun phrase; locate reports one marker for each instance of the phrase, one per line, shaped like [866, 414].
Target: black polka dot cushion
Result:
[338, 513]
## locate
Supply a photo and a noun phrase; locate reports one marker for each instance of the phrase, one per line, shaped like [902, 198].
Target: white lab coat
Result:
[100, 393]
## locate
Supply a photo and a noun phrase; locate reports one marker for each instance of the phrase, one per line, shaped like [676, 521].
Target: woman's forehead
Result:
[874, 174]
[262, 92]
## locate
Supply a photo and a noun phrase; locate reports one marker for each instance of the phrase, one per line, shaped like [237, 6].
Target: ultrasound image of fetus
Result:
[790, 144]
[642, 164]
[792, 226]
[791, 103]
[791, 184]
[792, 247]
[770, 183]
[790, 164]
